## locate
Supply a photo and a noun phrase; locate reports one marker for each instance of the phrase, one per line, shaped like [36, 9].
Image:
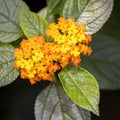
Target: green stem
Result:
[54, 77]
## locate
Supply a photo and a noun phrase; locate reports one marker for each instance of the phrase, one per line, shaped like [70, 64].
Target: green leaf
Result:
[53, 104]
[112, 27]
[81, 87]
[32, 24]
[9, 12]
[92, 13]
[7, 71]
[54, 6]
[104, 63]
[73, 8]
[44, 14]
[53, 10]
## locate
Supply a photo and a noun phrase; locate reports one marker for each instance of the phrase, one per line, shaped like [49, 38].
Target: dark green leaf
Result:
[92, 13]
[73, 8]
[7, 71]
[54, 6]
[81, 87]
[9, 12]
[112, 27]
[54, 104]
[104, 63]
[32, 24]
[44, 14]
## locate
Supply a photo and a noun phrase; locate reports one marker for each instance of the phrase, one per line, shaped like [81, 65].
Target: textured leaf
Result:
[81, 87]
[9, 27]
[7, 72]
[44, 14]
[53, 10]
[54, 104]
[54, 6]
[32, 24]
[104, 63]
[92, 13]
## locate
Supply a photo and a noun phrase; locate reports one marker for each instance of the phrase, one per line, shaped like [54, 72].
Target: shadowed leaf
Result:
[53, 104]
[9, 13]
[7, 71]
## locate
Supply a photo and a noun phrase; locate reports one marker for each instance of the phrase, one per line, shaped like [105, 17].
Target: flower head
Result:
[37, 59]
[71, 37]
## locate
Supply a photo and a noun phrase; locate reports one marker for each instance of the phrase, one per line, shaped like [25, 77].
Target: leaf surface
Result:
[53, 104]
[104, 63]
[32, 24]
[81, 87]
[54, 6]
[7, 71]
[92, 13]
[9, 13]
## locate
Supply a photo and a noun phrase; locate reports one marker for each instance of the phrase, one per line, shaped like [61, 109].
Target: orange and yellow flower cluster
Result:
[37, 59]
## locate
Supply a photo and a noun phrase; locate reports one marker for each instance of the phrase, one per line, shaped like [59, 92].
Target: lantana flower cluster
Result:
[37, 59]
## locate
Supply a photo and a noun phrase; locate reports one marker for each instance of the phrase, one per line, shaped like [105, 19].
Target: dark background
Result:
[17, 99]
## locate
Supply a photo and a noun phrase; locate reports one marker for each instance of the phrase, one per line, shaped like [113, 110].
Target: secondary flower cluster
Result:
[37, 59]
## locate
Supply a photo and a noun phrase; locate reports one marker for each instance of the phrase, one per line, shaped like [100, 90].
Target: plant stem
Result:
[54, 77]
